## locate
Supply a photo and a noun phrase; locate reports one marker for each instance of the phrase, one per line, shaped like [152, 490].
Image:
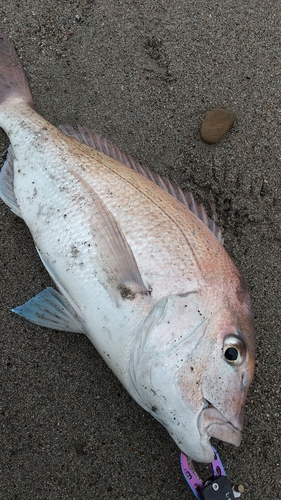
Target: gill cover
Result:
[168, 344]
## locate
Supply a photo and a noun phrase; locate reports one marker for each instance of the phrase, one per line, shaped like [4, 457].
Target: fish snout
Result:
[218, 426]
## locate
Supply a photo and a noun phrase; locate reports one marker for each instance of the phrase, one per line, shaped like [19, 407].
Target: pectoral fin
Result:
[122, 273]
[50, 309]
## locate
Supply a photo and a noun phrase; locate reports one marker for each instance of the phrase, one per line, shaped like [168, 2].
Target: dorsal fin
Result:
[96, 141]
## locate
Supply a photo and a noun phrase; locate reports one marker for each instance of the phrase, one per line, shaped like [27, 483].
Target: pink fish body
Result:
[137, 272]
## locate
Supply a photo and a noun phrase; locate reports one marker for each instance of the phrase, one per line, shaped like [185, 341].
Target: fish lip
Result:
[213, 422]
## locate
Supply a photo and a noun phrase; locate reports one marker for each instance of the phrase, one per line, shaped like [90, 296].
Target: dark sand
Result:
[143, 74]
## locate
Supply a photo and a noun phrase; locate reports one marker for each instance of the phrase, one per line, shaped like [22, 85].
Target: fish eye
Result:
[233, 350]
[231, 354]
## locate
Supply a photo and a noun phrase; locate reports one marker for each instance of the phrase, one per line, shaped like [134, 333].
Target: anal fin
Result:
[51, 310]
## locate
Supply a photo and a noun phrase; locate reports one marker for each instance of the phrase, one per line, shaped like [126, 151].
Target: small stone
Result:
[216, 124]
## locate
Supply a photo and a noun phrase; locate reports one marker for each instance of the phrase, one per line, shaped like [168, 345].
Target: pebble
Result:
[216, 124]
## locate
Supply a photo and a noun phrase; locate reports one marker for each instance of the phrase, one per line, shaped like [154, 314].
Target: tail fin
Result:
[13, 84]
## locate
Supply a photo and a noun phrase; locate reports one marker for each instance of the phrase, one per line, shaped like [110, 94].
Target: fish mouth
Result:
[213, 422]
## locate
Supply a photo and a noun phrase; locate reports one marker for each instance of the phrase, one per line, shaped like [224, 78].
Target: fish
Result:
[138, 266]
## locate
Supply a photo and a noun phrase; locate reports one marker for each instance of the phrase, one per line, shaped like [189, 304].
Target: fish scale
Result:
[165, 232]
[164, 250]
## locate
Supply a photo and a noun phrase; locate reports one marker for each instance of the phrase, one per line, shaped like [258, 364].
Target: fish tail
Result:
[13, 84]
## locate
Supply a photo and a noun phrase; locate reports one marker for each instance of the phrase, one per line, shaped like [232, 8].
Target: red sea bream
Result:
[136, 270]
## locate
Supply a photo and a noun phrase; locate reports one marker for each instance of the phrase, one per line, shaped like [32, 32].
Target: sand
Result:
[143, 74]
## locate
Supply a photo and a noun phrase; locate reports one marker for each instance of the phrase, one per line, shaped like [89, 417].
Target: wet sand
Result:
[143, 74]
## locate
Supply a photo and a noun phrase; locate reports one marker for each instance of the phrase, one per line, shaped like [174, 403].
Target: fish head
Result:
[192, 369]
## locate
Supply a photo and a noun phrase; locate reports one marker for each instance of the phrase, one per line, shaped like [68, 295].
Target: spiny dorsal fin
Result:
[96, 141]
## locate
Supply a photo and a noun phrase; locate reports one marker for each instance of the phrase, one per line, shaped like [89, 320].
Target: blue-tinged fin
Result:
[7, 183]
[50, 309]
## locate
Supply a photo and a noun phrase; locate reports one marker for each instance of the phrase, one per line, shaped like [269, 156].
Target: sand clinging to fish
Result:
[138, 267]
